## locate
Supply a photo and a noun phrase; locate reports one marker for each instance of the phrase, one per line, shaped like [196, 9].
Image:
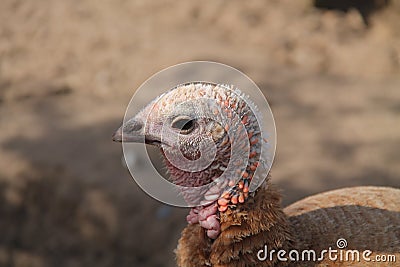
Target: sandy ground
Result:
[69, 68]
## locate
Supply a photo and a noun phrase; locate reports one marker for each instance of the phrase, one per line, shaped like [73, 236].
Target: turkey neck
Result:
[251, 226]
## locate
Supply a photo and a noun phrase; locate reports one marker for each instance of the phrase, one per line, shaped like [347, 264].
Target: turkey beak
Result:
[117, 136]
[132, 131]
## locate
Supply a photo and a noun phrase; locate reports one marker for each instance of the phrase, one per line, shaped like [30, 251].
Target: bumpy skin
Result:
[367, 217]
[216, 116]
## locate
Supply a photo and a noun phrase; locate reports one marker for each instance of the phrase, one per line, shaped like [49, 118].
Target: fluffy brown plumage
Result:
[231, 226]
[367, 217]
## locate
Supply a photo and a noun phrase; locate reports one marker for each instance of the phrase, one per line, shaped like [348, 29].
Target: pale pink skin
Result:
[207, 218]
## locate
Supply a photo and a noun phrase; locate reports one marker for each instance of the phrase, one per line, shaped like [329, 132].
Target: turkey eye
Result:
[185, 125]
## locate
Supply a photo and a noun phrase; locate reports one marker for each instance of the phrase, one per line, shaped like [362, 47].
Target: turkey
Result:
[232, 225]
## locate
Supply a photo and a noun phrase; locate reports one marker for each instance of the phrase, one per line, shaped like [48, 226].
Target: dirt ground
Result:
[69, 68]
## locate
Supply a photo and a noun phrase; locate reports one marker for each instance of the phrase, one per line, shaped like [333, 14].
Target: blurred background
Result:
[329, 69]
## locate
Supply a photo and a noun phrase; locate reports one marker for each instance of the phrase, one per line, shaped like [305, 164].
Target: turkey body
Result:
[364, 218]
[231, 226]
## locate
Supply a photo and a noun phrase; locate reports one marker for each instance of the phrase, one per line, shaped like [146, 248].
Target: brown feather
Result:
[245, 230]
